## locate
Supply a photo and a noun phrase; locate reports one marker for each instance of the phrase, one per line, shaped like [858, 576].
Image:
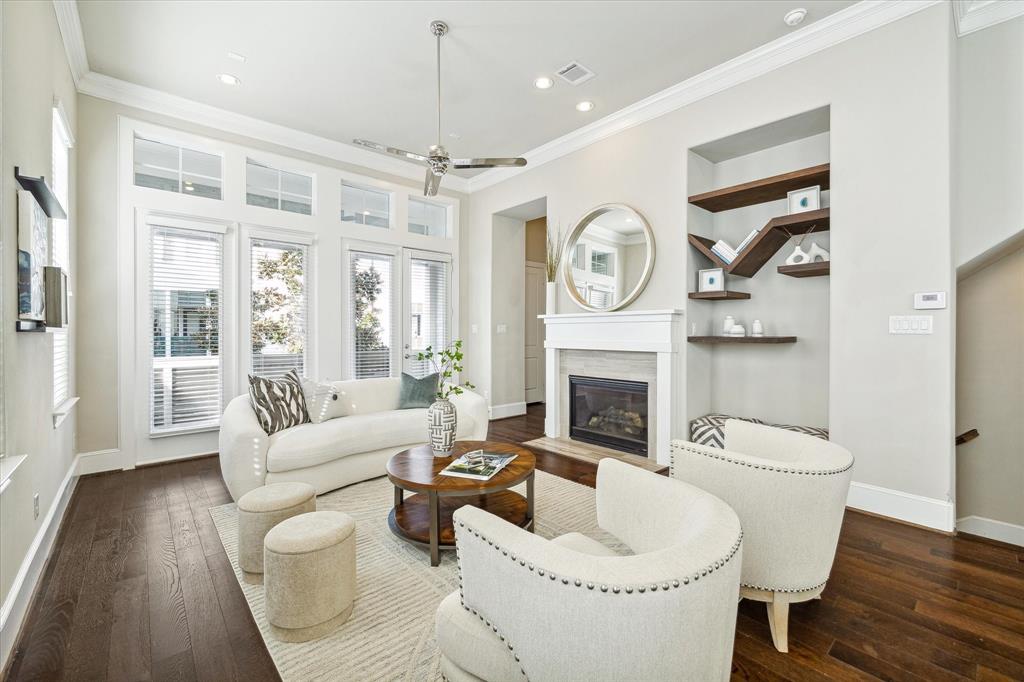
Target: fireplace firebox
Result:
[609, 412]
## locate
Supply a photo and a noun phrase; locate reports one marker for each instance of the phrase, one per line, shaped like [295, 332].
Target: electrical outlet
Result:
[35, 506]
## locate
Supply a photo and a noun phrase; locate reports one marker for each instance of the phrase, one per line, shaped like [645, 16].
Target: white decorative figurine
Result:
[817, 253]
[757, 329]
[727, 326]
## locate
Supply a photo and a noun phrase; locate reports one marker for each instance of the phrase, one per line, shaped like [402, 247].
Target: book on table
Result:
[480, 465]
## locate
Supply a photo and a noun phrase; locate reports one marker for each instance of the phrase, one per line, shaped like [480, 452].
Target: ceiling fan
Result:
[437, 159]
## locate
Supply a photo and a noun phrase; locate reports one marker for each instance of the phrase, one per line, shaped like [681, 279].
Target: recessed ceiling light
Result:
[585, 105]
[543, 83]
[237, 57]
[795, 16]
[228, 79]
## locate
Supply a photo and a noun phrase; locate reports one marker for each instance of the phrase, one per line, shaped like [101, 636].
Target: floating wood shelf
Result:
[742, 339]
[44, 196]
[772, 237]
[819, 269]
[760, 191]
[719, 295]
[966, 437]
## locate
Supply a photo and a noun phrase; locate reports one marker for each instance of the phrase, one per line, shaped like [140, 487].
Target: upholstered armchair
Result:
[789, 490]
[573, 609]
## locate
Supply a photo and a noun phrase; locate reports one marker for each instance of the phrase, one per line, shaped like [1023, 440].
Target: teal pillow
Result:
[417, 392]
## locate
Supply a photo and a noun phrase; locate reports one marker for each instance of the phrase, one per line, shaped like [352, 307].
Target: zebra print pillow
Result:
[710, 429]
[278, 403]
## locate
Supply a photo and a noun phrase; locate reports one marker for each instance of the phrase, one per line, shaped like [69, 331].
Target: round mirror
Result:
[608, 258]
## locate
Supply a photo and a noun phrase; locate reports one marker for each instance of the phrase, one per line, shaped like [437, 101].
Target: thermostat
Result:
[930, 300]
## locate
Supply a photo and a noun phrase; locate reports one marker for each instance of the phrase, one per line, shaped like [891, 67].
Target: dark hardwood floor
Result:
[139, 588]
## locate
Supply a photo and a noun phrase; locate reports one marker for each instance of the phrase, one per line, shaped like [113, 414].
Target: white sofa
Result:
[337, 452]
[572, 609]
[789, 490]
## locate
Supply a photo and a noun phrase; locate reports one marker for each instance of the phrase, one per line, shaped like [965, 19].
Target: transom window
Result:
[365, 206]
[273, 188]
[427, 218]
[176, 169]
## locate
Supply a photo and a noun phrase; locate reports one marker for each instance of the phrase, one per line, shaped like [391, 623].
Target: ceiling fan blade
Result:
[431, 184]
[488, 162]
[384, 149]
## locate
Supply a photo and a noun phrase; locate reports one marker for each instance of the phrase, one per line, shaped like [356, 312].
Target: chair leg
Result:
[778, 620]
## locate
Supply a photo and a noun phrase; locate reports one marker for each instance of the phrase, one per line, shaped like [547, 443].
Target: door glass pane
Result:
[372, 334]
[428, 310]
[279, 307]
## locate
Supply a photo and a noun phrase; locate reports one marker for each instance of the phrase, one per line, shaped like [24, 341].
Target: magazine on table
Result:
[479, 465]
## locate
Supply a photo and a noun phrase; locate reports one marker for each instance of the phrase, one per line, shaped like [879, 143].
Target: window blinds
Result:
[186, 287]
[279, 336]
[429, 310]
[372, 297]
[60, 254]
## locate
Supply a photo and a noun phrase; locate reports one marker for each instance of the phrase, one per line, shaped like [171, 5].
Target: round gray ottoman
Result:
[260, 510]
[309, 564]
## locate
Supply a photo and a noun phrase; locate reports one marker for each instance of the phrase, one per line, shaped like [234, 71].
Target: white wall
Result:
[990, 391]
[508, 270]
[98, 159]
[989, 139]
[35, 71]
[890, 397]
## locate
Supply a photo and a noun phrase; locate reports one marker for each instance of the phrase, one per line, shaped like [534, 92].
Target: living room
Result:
[412, 340]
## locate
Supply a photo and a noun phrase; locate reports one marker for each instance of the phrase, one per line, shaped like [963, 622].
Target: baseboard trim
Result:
[896, 504]
[99, 461]
[507, 410]
[12, 613]
[991, 529]
[174, 458]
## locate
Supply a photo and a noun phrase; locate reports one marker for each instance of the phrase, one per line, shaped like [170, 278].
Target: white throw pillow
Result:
[322, 401]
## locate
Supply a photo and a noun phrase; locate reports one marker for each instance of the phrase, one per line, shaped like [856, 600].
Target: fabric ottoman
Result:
[260, 510]
[309, 564]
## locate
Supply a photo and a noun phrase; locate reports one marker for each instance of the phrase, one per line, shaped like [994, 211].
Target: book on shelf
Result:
[750, 238]
[724, 251]
[480, 465]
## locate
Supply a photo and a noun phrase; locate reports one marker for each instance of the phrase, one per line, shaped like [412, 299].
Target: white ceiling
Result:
[366, 69]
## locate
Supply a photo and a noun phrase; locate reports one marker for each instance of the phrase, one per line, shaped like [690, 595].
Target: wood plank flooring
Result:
[139, 588]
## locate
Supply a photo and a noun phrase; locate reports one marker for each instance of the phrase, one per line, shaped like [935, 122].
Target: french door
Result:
[427, 307]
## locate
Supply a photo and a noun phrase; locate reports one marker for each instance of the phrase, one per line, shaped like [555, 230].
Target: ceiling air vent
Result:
[575, 73]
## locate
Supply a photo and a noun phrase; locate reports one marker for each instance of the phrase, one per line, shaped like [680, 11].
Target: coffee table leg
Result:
[529, 501]
[435, 529]
[398, 496]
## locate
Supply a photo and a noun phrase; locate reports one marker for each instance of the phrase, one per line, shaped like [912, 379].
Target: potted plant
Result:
[442, 419]
[552, 257]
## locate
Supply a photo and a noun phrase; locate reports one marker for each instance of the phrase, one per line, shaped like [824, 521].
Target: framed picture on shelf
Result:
[712, 279]
[807, 199]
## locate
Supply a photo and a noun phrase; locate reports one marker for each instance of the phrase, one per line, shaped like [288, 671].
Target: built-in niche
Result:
[737, 190]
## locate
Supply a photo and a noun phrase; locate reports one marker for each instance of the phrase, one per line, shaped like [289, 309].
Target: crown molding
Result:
[836, 28]
[70, 25]
[974, 15]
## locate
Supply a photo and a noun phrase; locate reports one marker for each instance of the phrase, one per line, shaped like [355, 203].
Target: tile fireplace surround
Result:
[636, 345]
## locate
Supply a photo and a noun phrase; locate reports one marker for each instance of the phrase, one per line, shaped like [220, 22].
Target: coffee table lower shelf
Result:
[410, 519]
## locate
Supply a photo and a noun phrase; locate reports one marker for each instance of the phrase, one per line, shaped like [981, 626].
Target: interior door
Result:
[428, 307]
[534, 332]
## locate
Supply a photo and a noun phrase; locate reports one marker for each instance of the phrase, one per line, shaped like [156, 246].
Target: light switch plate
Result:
[910, 324]
[930, 300]
[502, 328]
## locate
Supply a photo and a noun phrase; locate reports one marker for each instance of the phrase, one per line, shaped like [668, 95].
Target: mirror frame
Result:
[574, 234]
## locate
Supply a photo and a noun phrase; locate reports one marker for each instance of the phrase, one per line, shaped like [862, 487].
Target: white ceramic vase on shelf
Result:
[441, 424]
[728, 324]
[551, 301]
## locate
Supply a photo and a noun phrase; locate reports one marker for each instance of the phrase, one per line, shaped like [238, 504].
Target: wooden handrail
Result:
[966, 436]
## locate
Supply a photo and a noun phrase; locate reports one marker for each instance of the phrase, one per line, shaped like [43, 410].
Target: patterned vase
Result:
[441, 423]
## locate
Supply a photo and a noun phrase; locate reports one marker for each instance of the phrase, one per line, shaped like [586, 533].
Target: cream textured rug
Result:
[390, 635]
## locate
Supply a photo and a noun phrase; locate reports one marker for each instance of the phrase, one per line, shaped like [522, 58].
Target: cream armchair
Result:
[572, 609]
[789, 490]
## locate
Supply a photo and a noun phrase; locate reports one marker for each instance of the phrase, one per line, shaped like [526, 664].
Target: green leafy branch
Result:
[446, 362]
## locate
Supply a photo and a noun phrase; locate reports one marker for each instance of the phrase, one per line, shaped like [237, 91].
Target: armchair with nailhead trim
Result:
[573, 609]
[789, 490]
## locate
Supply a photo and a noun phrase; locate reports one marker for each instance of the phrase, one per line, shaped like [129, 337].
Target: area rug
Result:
[390, 635]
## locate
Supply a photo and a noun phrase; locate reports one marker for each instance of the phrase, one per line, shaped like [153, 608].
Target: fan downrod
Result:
[438, 28]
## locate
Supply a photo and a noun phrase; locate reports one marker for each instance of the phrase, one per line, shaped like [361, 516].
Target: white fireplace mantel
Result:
[644, 331]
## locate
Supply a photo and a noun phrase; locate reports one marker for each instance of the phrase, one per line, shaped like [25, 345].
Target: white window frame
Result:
[62, 407]
[440, 257]
[449, 228]
[397, 271]
[260, 160]
[373, 186]
[182, 144]
[248, 233]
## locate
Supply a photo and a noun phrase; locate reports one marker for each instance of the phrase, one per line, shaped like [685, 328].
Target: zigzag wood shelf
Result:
[760, 191]
[772, 237]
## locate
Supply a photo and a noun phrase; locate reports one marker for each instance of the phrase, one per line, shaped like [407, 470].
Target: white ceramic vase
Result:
[551, 300]
[441, 424]
[728, 324]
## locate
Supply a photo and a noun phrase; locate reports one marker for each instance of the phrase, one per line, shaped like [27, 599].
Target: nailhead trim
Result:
[764, 467]
[785, 589]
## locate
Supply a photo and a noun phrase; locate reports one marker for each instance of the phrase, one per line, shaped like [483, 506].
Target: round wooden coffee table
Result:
[425, 518]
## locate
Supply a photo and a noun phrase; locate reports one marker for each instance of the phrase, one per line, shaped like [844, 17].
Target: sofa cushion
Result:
[417, 392]
[308, 445]
[364, 396]
[278, 404]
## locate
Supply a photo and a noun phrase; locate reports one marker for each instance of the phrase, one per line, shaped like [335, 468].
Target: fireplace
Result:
[609, 412]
